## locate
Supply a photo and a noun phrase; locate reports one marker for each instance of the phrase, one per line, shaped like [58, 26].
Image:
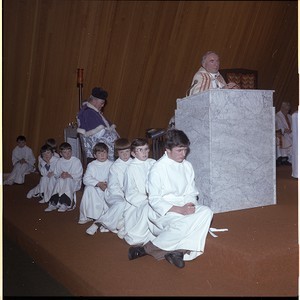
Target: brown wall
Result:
[144, 53]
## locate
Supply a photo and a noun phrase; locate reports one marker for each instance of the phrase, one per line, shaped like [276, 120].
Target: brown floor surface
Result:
[22, 277]
[258, 256]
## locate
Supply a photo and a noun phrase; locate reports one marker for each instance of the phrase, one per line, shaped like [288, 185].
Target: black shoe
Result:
[278, 162]
[64, 199]
[175, 258]
[136, 252]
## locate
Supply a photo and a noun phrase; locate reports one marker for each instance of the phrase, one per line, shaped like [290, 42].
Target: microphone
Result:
[194, 83]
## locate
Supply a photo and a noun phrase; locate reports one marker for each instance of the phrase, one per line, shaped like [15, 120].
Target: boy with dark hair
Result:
[114, 194]
[135, 216]
[180, 223]
[95, 179]
[68, 172]
[47, 163]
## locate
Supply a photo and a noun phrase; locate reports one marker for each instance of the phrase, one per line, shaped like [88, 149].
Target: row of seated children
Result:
[168, 223]
[61, 177]
[123, 205]
[57, 192]
[23, 161]
[68, 173]
[60, 180]
[127, 179]
[111, 198]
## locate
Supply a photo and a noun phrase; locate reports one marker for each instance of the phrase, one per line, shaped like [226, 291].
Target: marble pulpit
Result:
[232, 134]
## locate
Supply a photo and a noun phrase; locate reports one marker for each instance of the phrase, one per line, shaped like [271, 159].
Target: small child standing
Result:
[95, 179]
[23, 161]
[68, 172]
[135, 216]
[47, 163]
[114, 194]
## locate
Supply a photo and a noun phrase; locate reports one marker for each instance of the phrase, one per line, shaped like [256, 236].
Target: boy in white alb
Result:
[47, 163]
[68, 172]
[135, 216]
[93, 204]
[23, 161]
[180, 223]
[114, 194]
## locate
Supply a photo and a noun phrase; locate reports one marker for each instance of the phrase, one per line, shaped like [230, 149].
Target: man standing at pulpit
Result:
[93, 126]
[208, 76]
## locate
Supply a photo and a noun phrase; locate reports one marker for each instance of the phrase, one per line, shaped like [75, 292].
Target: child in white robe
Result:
[23, 161]
[135, 216]
[180, 223]
[47, 163]
[68, 172]
[52, 143]
[114, 194]
[95, 179]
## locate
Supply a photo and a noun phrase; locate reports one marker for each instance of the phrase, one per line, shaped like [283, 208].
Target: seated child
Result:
[114, 194]
[52, 143]
[68, 173]
[47, 163]
[135, 217]
[93, 204]
[23, 161]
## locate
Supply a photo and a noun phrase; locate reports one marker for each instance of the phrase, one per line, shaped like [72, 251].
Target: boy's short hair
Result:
[46, 148]
[100, 147]
[176, 138]
[122, 144]
[65, 146]
[21, 138]
[137, 143]
[51, 142]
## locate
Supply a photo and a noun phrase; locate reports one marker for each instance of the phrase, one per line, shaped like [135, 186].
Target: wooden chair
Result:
[246, 79]
[156, 142]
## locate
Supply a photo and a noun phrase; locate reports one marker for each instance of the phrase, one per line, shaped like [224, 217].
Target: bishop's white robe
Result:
[204, 80]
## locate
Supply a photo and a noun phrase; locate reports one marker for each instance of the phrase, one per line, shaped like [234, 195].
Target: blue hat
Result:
[99, 93]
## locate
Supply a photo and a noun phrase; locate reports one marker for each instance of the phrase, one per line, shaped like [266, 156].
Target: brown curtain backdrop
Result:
[144, 53]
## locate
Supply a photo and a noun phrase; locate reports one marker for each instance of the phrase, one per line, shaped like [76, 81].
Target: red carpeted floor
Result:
[258, 256]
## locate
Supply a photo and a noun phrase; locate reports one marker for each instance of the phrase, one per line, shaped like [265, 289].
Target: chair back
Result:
[156, 142]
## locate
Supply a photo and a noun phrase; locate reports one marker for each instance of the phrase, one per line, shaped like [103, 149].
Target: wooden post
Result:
[80, 84]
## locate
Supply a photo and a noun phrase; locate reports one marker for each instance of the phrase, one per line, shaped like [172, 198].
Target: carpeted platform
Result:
[258, 256]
